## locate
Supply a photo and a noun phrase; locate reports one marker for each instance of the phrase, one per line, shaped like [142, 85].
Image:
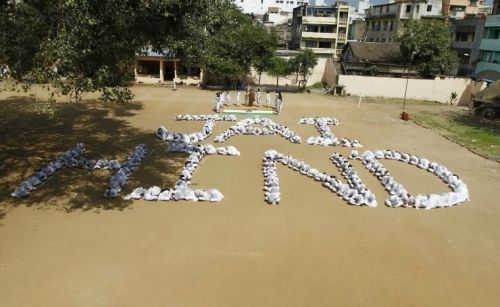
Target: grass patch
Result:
[316, 86]
[476, 134]
[399, 101]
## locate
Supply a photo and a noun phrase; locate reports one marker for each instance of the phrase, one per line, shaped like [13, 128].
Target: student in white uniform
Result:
[278, 102]
[223, 98]
[218, 102]
[238, 97]
[268, 98]
[228, 98]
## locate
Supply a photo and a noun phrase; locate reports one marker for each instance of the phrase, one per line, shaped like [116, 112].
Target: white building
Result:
[359, 12]
[323, 29]
[385, 22]
[276, 16]
[261, 7]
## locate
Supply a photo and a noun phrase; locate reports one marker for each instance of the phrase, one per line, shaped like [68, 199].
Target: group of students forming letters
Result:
[251, 98]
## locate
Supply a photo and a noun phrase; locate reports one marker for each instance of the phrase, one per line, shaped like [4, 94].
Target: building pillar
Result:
[162, 79]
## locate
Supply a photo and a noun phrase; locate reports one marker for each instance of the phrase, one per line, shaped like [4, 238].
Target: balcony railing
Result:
[319, 35]
[342, 36]
[343, 20]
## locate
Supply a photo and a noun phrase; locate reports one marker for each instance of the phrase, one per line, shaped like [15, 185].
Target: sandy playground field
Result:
[67, 246]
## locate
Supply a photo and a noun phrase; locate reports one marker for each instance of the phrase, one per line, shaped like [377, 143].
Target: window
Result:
[327, 29]
[391, 26]
[386, 23]
[387, 9]
[311, 29]
[460, 37]
[325, 44]
[380, 10]
[429, 8]
[492, 33]
[378, 26]
[383, 40]
[408, 8]
[373, 26]
[311, 44]
[486, 56]
[490, 56]
[418, 8]
[464, 37]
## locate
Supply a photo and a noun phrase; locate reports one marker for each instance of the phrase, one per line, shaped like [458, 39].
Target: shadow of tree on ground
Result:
[29, 141]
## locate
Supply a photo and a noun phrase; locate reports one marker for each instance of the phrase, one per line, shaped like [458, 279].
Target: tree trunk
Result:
[277, 78]
[260, 74]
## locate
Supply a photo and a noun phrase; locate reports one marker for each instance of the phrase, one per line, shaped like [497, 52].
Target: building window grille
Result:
[311, 44]
[325, 44]
[492, 33]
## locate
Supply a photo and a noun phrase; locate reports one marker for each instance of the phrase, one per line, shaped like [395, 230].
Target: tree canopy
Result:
[236, 44]
[426, 43]
[83, 45]
[278, 68]
[302, 65]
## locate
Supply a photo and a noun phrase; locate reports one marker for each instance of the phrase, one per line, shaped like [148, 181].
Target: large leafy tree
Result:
[84, 45]
[425, 43]
[235, 43]
[279, 67]
[302, 64]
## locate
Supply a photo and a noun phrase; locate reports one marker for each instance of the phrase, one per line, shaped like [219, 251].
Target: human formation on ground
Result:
[353, 191]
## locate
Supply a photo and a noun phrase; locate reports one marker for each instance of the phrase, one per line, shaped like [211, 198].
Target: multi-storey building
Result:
[466, 37]
[490, 43]
[260, 7]
[357, 24]
[322, 29]
[459, 9]
[385, 22]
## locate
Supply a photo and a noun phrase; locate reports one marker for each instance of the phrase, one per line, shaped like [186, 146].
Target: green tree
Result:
[235, 44]
[302, 65]
[83, 45]
[263, 50]
[278, 68]
[426, 43]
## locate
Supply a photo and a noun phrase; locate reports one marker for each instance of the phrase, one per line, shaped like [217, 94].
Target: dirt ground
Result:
[66, 246]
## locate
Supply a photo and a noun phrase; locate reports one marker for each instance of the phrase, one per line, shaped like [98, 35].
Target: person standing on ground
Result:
[268, 99]
[228, 98]
[247, 96]
[251, 97]
[238, 97]
[258, 96]
[217, 102]
[223, 98]
[278, 102]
